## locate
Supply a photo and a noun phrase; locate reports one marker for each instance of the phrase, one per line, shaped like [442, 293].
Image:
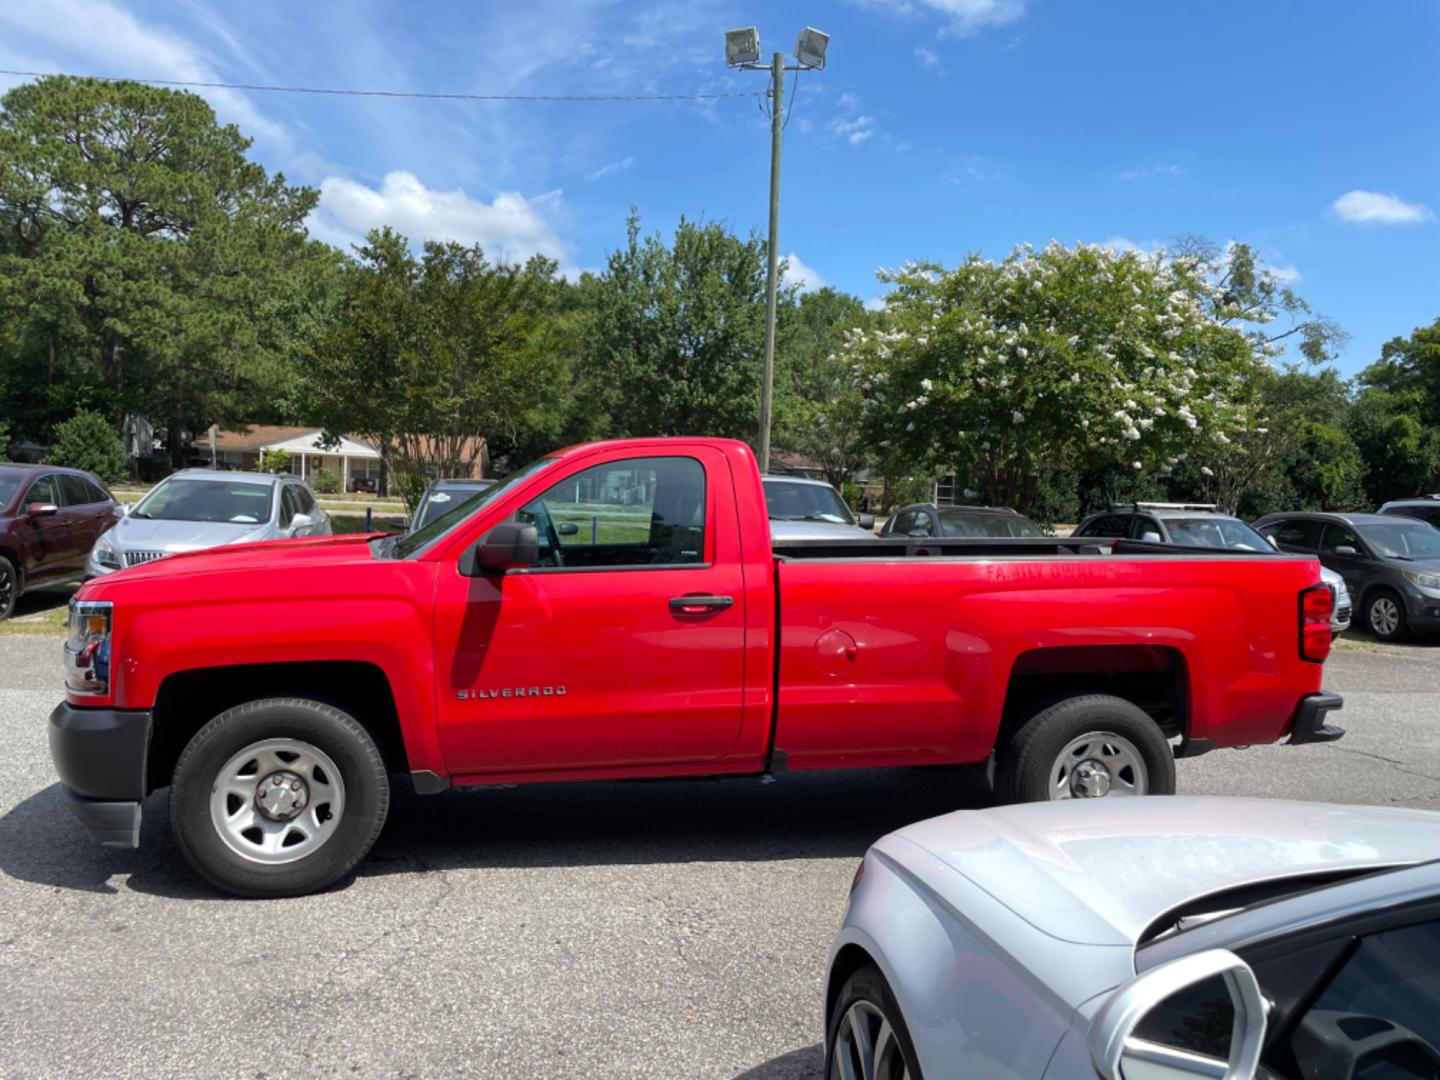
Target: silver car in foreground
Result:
[203, 508]
[1143, 938]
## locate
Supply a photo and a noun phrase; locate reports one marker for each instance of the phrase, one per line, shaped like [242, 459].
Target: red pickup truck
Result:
[618, 610]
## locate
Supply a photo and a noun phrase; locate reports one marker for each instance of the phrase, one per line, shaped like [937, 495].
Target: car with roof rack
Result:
[1391, 564]
[1199, 524]
[920, 520]
[1181, 937]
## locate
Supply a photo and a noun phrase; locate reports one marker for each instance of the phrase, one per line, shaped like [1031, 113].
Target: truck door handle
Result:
[695, 603]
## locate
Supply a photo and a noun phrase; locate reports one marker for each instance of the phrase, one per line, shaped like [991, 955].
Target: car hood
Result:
[305, 554]
[817, 530]
[1418, 566]
[157, 534]
[1100, 871]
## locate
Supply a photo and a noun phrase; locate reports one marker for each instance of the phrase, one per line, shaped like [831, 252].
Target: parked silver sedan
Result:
[1143, 938]
[201, 508]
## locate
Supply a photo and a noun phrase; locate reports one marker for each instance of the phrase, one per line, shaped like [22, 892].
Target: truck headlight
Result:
[1425, 581]
[106, 553]
[87, 648]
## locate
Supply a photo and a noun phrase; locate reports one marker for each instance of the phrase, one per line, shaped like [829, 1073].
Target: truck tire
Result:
[10, 586]
[278, 797]
[1088, 746]
[1385, 615]
[866, 1031]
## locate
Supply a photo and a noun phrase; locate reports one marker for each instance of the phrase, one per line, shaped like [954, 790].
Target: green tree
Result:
[147, 259]
[429, 356]
[676, 332]
[1062, 358]
[818, 404]
[274, 461]
[87, 441]
[1410, 367]
[1400, 451]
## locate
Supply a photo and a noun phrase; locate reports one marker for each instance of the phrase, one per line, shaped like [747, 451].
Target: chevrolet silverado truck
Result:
[619, 610]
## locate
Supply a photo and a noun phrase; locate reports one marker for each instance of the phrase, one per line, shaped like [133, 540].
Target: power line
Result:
[385, 93]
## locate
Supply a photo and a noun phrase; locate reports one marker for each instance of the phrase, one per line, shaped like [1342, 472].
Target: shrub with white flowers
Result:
[1052, 359]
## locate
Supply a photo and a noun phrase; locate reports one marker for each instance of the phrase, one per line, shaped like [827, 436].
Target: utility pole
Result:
[742, 50]
[767, 385]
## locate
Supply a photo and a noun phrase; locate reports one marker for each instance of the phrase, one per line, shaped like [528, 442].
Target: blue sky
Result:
[1309, 128]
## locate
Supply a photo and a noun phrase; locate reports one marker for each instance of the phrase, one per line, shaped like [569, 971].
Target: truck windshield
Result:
[402, 547]
[1217, 532]
[1403, 540]
[787, 500]
[969, 523]
[193, 499]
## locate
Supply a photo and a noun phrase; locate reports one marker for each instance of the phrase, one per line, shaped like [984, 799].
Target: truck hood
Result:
[311, 552]
[1100, 871]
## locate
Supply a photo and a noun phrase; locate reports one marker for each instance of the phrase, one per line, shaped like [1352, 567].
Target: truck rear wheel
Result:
[278, 797]
[1086, 747]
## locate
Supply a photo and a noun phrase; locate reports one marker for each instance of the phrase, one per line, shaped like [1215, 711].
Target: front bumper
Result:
[100, 756]
[1310, 726]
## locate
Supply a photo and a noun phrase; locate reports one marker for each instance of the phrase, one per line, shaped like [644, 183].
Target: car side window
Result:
[1381, 1011]
[75, 490]
[904, 522]
[43, 490]
[1108, 525]
[288, 505]
[305, 500]
[1300, 533]
[97, 493]
[1337, 536]
[921, 524]
[632, 512]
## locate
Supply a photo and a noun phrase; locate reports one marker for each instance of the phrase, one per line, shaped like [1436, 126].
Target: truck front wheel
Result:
[1092, 746]
[279, 797]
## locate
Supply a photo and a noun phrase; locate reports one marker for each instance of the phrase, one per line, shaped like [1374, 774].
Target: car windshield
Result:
[1402, 539]
[8, 486]
[402, 547]
[1216, 532]
[241, 502]
[441, 501]
[970, 523]
[790, 501]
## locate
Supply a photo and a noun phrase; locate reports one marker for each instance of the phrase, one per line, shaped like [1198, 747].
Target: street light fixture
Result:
[742, 50]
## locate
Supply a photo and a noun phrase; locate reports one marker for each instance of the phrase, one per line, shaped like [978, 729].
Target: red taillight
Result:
[1317, 605]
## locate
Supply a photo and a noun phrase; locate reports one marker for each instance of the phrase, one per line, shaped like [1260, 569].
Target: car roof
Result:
[232, 475]
[28, 468]
[1326, 515]
[770, 478]
[1101, 871]
[1417, 500]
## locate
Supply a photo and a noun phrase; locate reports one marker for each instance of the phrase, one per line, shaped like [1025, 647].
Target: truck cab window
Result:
[632, 512]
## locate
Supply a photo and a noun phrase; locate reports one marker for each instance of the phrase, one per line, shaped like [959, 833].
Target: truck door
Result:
[623, 647]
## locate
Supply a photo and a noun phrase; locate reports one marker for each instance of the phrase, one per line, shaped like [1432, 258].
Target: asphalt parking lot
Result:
[604, 930]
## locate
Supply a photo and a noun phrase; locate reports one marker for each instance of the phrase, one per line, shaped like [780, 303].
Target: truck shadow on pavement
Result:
[798, 816]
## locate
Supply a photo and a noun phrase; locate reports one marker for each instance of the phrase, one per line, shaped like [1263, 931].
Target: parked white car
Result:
[203, 508]
[805, 509]
[1143, 938]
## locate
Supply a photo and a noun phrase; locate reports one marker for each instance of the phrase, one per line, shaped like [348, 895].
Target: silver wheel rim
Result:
[867, 1047]
[1384, 616]
[1098, 764]
[277, 801]
[7, 588]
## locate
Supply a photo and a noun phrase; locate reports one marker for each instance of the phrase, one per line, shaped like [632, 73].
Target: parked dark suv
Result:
[1391, 564]
[926, 519]
[50, 518]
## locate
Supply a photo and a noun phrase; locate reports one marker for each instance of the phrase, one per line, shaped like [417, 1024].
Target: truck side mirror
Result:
[39, 509]
[1121, 1053]
[508, 546]
[867, 521]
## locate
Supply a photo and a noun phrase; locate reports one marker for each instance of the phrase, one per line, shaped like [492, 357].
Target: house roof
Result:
[256, 437]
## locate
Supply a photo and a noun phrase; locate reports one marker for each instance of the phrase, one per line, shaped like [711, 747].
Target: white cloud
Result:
[962, 17]
[851, 125]
[927, 57]
[797, 273]
[1124, 243]
[1151, 172]
[1374, 208]
[609, 170]
[875, 303]
[511, 228]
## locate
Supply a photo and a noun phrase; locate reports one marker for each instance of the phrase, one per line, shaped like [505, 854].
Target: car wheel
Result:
[9, 588]
[866, 1035]
[1086, 747]
[279, 797]
[1385, 612]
